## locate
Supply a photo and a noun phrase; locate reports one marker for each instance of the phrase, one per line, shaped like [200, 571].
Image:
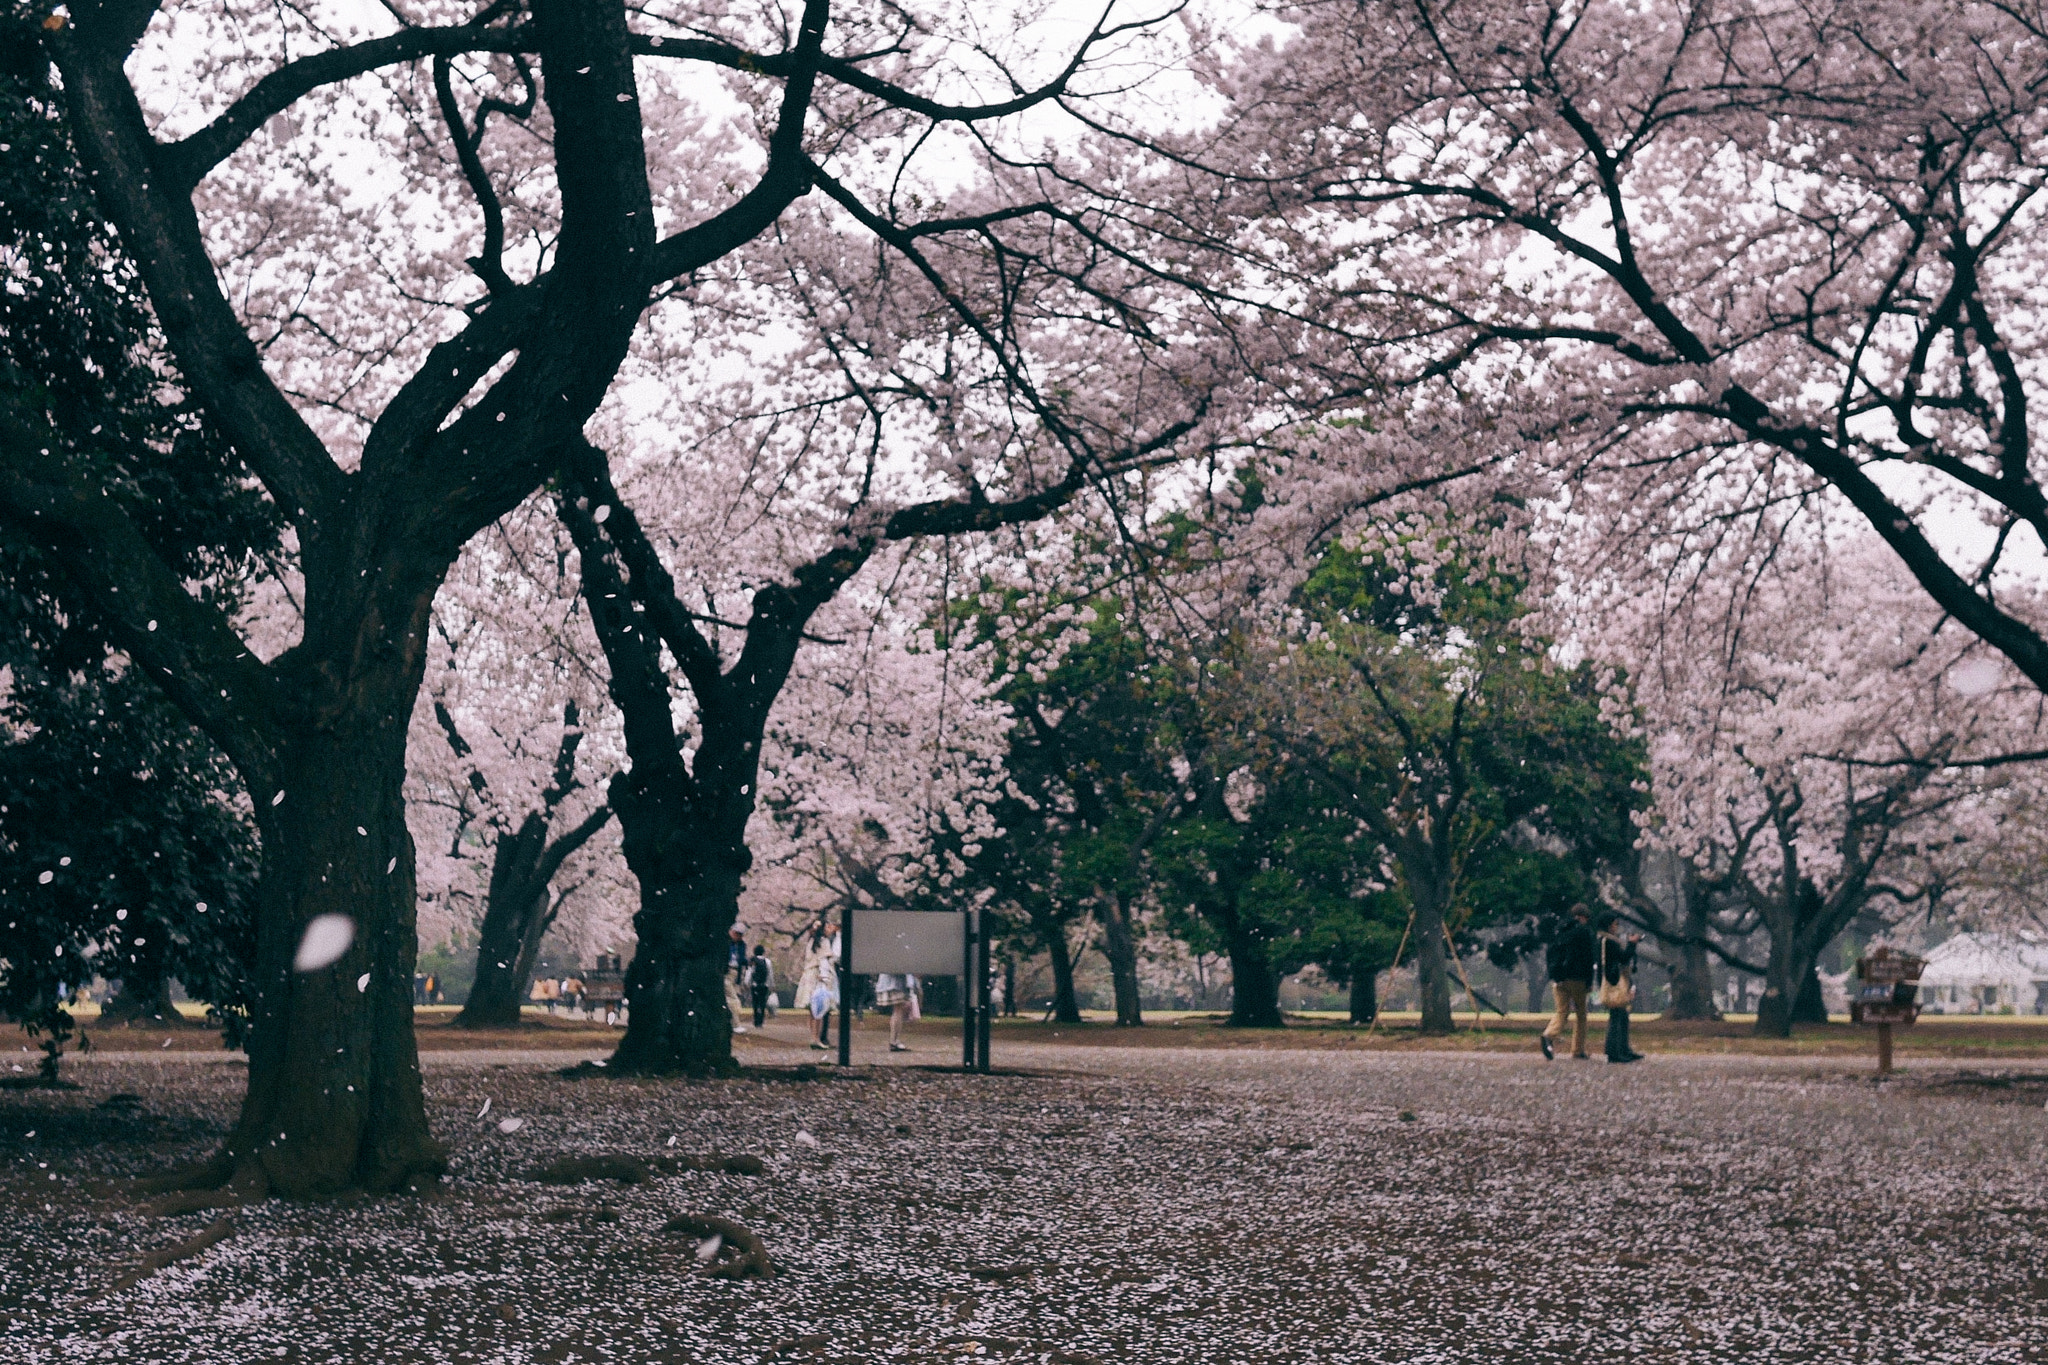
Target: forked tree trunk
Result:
[334, 1099]
[517, 916]
[512, 906]
[1119, 946]
[1051, 930]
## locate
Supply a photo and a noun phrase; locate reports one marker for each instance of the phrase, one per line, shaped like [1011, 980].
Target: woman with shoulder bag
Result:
[1617, 985]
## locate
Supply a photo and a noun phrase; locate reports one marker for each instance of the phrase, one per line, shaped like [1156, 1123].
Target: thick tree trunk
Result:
[1066, 1008]
[1810, 1006]
[689, 868]
[1432, 966]
[334, 1099]
[516, 899]
[1692, 980]
[144, 1001]
[1365, 996]
[1119, 946]
[1692, 970]
[1782, 980]
[1537, 980]
[1254, 986]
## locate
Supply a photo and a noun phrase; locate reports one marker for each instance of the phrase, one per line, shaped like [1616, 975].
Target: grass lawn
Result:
[1944, 1036]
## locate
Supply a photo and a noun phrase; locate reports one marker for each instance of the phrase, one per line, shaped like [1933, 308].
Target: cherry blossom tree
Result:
[1002, 433]
[1744, 254]
[505, 766]
[882, 760]
[401, 270]
[1822, 742]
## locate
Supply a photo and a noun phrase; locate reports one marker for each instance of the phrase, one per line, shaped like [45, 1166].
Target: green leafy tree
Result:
[125, 843]
[1415, 690]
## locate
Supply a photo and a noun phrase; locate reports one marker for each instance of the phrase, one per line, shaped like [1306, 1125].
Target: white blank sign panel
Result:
[927, 942]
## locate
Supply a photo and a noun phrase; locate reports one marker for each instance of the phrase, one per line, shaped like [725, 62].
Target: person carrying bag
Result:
[1617, 985]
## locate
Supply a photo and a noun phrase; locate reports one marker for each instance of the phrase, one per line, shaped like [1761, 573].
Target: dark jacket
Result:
[1573, 953]
[1616, 957]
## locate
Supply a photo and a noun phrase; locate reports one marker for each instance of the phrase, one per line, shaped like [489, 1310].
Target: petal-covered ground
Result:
[1157, 1204]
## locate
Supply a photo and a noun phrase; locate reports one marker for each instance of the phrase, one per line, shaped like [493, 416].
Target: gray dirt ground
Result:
[1137, 1206]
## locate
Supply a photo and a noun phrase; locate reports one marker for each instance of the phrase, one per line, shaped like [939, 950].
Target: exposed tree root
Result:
[741, 1254]
[209, 1174]
[248, 1185]
[573, 1170]
[744, 1164]
[157, 1260]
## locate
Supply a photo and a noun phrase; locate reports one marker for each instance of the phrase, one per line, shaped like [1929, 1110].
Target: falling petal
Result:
[804, 1139]
[327, 937]
[167, 1042]
[671, 1139]
[152, 625]
[601, 513]
[360, 830]
[200, 907]
[390, 867]
[510, 1125]
[708, 1248]
[362, 983]
[47, 877]
[485, 1110]
[1976, 677]
[278, 799]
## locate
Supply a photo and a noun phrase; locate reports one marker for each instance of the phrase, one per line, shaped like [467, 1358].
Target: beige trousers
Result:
[1571, 995]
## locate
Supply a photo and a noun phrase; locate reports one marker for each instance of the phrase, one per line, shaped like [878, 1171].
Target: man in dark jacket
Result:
[1573, 955]
[760, 981]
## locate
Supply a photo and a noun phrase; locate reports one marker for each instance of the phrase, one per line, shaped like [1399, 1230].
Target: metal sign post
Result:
[846, 989]
[967, 1034]
[981, 986]
[912, 942]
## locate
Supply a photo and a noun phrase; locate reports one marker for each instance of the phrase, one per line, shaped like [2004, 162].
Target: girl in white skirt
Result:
[898, 995]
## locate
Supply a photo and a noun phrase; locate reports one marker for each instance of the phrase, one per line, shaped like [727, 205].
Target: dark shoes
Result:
[1549, 1052]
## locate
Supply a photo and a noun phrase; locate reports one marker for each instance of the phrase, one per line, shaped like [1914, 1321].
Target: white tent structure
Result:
[1986, 974]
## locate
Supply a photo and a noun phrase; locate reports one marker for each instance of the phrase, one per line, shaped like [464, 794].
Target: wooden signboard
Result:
[1889, 995]
[604, 986]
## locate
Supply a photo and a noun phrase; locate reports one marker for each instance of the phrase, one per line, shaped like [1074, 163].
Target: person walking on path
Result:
[898, 995]
[1617, 985]
[817, 989]
[1573, 956]
[760, 981]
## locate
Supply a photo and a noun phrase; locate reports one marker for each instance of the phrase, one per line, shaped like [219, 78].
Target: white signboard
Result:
[927, 942]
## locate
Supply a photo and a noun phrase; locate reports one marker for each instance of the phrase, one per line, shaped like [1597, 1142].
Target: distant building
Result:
[1986, 974]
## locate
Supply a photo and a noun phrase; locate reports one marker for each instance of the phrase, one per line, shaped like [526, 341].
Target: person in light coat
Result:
[817, 986]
